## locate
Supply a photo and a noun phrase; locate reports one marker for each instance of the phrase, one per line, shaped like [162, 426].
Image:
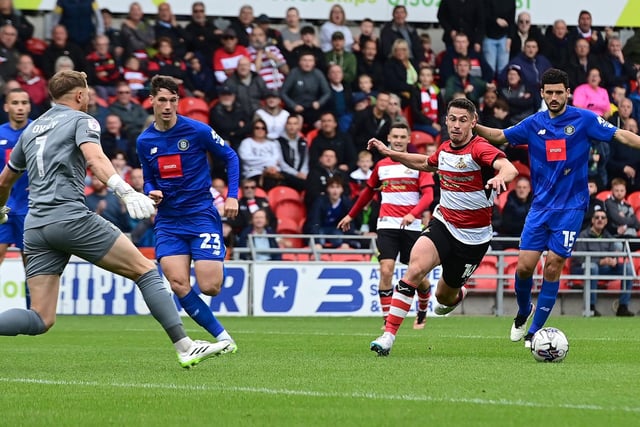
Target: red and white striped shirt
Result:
[465, 205]
[269, 71]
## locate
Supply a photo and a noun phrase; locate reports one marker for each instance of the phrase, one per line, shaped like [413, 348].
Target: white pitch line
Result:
[321, 394]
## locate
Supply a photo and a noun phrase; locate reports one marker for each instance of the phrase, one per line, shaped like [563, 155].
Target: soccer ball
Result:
[549, 345]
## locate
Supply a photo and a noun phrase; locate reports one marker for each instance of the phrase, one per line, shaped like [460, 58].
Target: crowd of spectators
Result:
[299, 102]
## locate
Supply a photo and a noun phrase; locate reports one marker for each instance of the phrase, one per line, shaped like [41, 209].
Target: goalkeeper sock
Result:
[161, 304]
[18, 321]
[546, 301]
[201, 313]
[523, 294]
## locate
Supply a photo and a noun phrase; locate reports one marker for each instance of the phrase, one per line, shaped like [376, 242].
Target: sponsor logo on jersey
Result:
[542, 131]
[569, 130]
[602, 122]
[154, 150]
[461, 164]
[183, 145]
[93, 125]
[3, 142]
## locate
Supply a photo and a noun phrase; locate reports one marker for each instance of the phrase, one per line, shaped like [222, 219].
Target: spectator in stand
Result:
[340, 103]
[136, 77]
[103, 72]
[10, 15]
[524, 31]
[369, 63]
[616, 69]
[522, 103]
[625, 112]
[260, 157]
[273, 115]
[228, 118]
[367, 32]
[226, 58]
[399, 29]
[268, 61]
[400, 73]
[167, 26]
[516, 208]
[242, 26]
[34, 84]
[81, 18]
[479, 67]
[8, 52]
[61, 46]
[200, 81]
[372, 122]
[602, 265]
[365, 91]
[292, 31]
[121, 164]
[592, 96]
[309, 45]
[63, 63]
[487, 109]
[338, 56]
[557, 46]
[463, 81]
[294, 150]
[248, 86]
[114, 139]
[137, 33]
[115, 38]
[103, 202]
[461, 16]
[631, 48]
[133, 116]
[580, 61]
[624, 163]
[96, 108]
[319, 173]
[500, 17]
[359, 177]
[249, 204]
[326, 212]
[599, 153]
[142, 234]
[394, 110]
[273, 36]
[258, 227]
[337, 22]
[330, 137]
[202, 35]
[595, 204]
[623, 221]
[429, 57]
[532, 65]
[427, 106]
[305, 90]
[167, 62]
[585, 31]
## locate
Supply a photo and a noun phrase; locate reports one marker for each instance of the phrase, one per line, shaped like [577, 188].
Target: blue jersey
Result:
[175, 162]
[559, 155]
[19, 197]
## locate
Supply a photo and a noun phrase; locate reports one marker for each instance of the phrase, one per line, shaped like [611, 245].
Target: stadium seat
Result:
[346, 256]
[310, 136]
[501, 200]
[487, 267]
[194, 108]
[288, 226]
[523, 170]
[281, 193]
[603, 195]
[420, 140]
[291, 209]
[634, 200]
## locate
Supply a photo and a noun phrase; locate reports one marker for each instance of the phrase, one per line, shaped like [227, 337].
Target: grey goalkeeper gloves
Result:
[138, 205]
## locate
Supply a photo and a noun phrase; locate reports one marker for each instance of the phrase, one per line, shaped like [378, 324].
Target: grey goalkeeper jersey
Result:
[49, 150]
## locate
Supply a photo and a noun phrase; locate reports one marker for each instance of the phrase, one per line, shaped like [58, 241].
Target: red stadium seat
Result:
[487, 267]
[501, 200]
[634, 200]
[288, 226]
[194, 108]
[420, 140]
[603, 195]
[281, 193]
[291, 209]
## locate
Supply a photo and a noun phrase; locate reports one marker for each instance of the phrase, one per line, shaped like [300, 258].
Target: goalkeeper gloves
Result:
[4, 212]
[138, 205]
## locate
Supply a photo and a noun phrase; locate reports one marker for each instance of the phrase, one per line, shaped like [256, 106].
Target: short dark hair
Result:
[163, 82]
[335, 179]
[554, 76]
[400, 126]
[463, 103]
[307, 29]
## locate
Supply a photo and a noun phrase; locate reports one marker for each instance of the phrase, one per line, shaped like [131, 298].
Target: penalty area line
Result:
[320, 394]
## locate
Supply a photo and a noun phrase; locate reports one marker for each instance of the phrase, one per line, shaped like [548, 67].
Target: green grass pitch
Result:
[459, 371]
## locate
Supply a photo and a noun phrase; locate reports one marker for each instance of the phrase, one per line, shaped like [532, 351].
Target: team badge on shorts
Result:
[183, 145]
[569, 130]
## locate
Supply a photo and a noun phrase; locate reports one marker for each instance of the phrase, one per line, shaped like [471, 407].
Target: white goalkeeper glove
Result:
[138, 205]
[4, 214]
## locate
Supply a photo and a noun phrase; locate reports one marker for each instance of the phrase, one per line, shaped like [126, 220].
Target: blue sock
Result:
[546, 301]
[523, 294]
[201, 313]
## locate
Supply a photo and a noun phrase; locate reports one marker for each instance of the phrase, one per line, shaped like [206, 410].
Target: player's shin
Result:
[400, 306]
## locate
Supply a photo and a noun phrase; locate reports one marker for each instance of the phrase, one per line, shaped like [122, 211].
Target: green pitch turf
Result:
[459, 371]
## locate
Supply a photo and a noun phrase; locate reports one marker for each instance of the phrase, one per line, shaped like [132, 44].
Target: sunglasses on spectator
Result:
[198, 10]
[249, 187]
[124, 91]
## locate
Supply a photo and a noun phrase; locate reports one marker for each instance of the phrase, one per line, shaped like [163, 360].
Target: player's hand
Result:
[407, 220]
[156, 196]
[378, 145]
[231, 207]
[4, 214]
[138, 205]
[497, 183]
[345, 223]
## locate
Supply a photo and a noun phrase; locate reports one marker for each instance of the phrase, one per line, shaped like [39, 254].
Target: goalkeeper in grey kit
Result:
[56, 149]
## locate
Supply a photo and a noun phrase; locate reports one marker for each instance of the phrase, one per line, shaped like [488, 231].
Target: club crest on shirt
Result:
[183, 145]
[569, 130]
[461, 164]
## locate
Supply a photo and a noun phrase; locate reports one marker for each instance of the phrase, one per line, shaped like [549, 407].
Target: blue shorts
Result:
[555, 230]
[12, 231]
[199, 236]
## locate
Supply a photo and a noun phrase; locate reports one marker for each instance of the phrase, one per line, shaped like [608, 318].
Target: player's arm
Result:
[218, 148]
[627, 137]
[410, 160]
[8, 177]
[506, 173]
[138, 205]
[493, 135]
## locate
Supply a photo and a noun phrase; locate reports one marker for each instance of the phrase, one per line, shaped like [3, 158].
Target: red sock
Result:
[423, 299]
[400, 306]
[385, 301]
